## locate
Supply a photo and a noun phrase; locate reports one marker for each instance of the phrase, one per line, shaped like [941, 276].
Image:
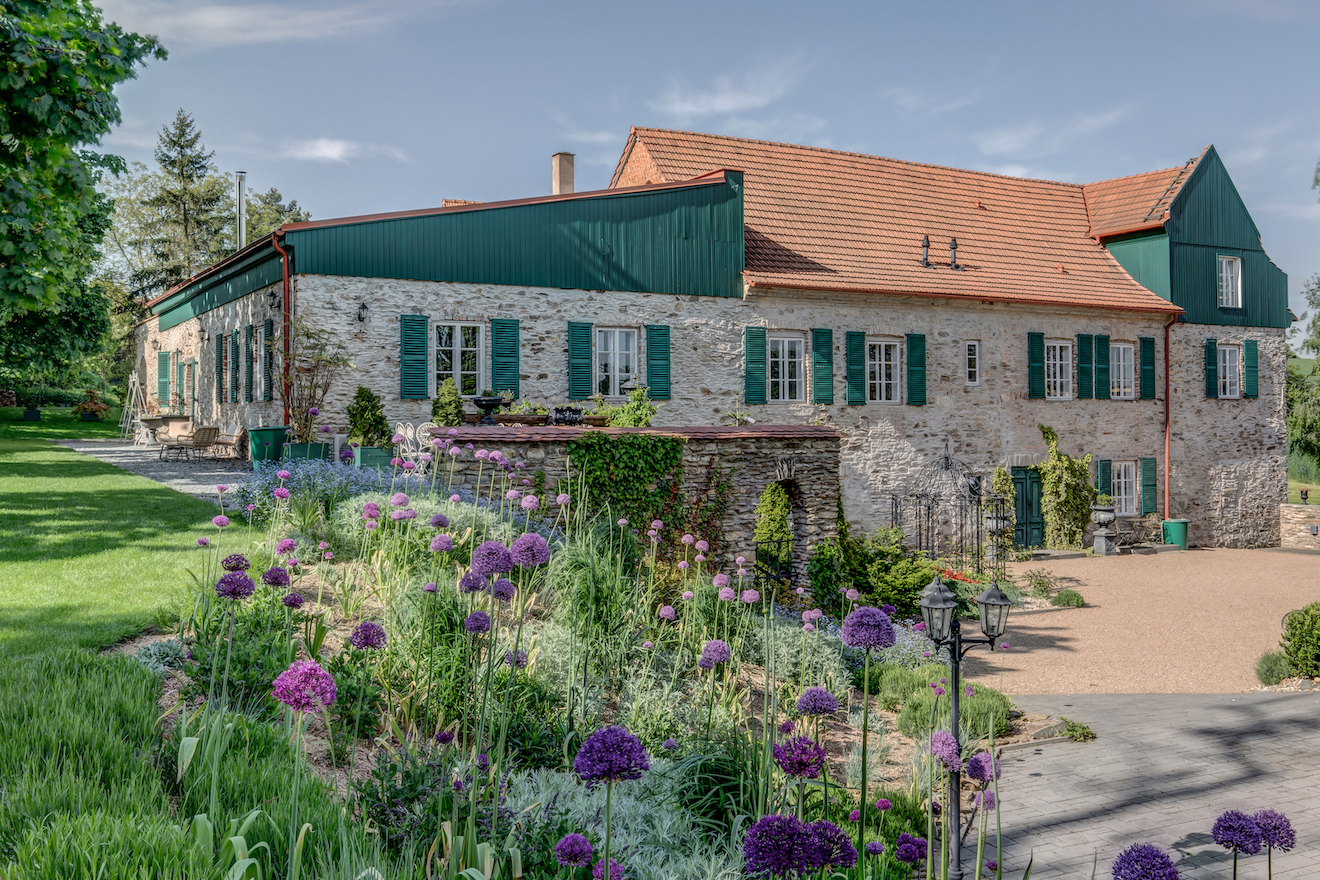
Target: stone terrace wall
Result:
[804, 457]
[1295, 524]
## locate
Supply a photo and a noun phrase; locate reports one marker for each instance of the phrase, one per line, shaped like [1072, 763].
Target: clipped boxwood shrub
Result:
[975, 712]
[1301, 640]
[1068, 599]
[1273, 667]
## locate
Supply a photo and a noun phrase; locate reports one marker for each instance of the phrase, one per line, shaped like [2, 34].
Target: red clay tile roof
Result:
[1132, 204]
[828, 220]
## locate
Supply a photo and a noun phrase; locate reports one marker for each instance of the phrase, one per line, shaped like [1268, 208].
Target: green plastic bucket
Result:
[1175, 532]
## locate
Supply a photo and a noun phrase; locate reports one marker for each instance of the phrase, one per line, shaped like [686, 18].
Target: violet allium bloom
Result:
[397, 439]
[615, 870]
[717, 650]
[808, 627]
[740, 561]
[800, 757]
[406, 513]
[483, 762]
[477, 622]
[689, 540]
[323, 546]
[454, 451]
[651, 533]
[516, 659]
[285, 547]
[367, 635]
[611, 754]
[281, 493]
[202, 542]
[313, 412]
[439, 521]
[291, 562]
[623, 523]
[909, 849]
[984, 801]
[234, 585]
[561, 499]
[371, 510]
[442, 544]
[855, 816]
[874, 847]
[670, 744]
[283, 475]
[396, 461]
[455, 498]
[683, 565]
[888, 609]
[1237, 831]
[444, 737]
[513, 494]
[667, 612]
[370, 525]
[852, 595]
[1276, 831]
[235, 562]
[648, 644]
[786, 727]
[688, 595]
[751, 597]
[503, 590]
[919, 626]
[490, 558]
[657, 525]
[700, 558]
[945, 749]
[529, 550]
[828, 847]
[304, 687]
[471, 583]
[530, 502]
[1142, 861]
[728, 594]
[220, 521]
[884, 805]
[275, 577]
[992, 866]
[408, 465]
[398, 499]
[482, 454]
[775, 847]
[428, 588]
[705, 663]
[983, 767]
[222, 489]
[573, 851]
[817, 701]
[742, 572]
[867, 628]
[720, 580]
[293, 600]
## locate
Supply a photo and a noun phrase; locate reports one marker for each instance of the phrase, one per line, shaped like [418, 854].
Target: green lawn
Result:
[88, 552]
[1294, 491]
[57, 422]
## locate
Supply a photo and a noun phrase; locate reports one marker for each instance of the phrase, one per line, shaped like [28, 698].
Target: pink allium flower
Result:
[327, 555]
[454, 450]
[740, 561]
[808, 627]
[657, 525]
[689, 540]
[622, 523]
[408, 465]
[647, 644]
[283, 475]
[398, 499]
[688, 595]
[720, 580]
[513, 494]
[561, 498]
[323, 546]
[222, 489]
[919, 626]
[397, 438]
[667, 612]
[281, 493]
[683, 565]
[285, 547]
[530, 503]
[250, 507]
[424, 456]
[454, 499]
[482, 455]
[220, 521]
[304, 687]
[852, 595]
[396, 461]
[651, 533]
[742, 572]
[800, 590]
[699, 558]
[750, 596]
[1004, 646]
[371, 524]
[727, 594]
[855, 816]
[202, 542]
[702, 546]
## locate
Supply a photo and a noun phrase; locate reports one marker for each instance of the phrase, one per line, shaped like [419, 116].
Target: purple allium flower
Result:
[529, 550]
[573, 851]
[670, 744]
[919, 626]
[477, 622]
[397, 439]
[398, 499]
[689, 540]
[235, 562]
[683, 565]
[657, 525]
[439, 521]
[615, 870]
[800, 757]
[503, 590]
[786, 727]
[471, 583]
[293, 600]
[705, 663]
[281, 493]
[702, 546]
[808, 627]
[516, 659]
[370, 525]
[283, 475]
[909, 849]
[561, 499]
[530, 502]
[408, 465]
[855, 816]
[490, 558]
[742, 572]
[444, 737]
[323, 546]
[1002, 647]
[688, 595]
[367, 635]
[852, 595]
[648, 644]
[482, 454]
[611, 754]
[623, 523]
[728, 594]
[700, 558]
[428, 587]
[776, 846]
[371, 510]
[234, 585]
[1237, 831]
[667, 612]
[304, 687]
[889, 609]
[202, 542]
[720, 580]
[250, 508]
[442, 544]
[945, 749]
[313, 412]
[220, 521]
[285, 547]
[1142, 861]
[884, 805]
[984, 801]
[400, 515]
[1276, 831]
[992, 866]
[828, 847]
[513, 494]
[275, 577]
[817, 701]
[717, 650]
[874, 847]
[751, 597]
[983, 767]
[740, 561]
[867, 628]
[483, 762]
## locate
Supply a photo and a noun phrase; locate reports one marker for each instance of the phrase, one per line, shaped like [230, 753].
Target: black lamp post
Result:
[939, 610]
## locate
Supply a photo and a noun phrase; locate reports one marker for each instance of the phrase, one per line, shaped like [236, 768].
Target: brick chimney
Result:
[561, 173]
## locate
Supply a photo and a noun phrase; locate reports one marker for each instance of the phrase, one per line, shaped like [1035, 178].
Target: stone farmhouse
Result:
[911, 307]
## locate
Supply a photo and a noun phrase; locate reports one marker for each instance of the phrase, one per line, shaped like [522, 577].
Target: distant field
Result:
[1304, 366]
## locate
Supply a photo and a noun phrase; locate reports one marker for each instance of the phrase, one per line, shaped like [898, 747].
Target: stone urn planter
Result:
[1102, 514]
[488, 405]
[1104, 539]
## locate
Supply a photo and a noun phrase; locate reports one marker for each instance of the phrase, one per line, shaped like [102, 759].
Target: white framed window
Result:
[1058, 371]
[1230, 283]
[1122, 378]
[1230, 371]
[973, 362]
[1124, 487]
[616, 361]
[884, 366]
[458, 356]
[784, 373]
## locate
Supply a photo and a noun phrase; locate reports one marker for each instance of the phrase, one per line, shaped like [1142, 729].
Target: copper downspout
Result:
[1167, 328]
[284, 325]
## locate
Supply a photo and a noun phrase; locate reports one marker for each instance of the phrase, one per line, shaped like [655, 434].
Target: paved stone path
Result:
[192, 477]
[1162, 769]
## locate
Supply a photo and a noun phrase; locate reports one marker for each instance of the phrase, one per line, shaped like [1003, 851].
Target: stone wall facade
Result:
[1299, 526]
[1228, 458]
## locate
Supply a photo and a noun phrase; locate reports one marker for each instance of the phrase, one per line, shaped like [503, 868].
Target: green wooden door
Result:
[1030, 528]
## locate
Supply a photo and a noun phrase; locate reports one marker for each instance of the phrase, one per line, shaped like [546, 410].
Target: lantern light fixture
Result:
[362, 313]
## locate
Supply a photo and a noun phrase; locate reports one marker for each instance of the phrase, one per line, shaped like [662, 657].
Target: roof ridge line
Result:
[1181, 167]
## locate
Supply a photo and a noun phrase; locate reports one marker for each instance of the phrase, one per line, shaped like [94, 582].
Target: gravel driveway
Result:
[193, 477]
[1192, 622]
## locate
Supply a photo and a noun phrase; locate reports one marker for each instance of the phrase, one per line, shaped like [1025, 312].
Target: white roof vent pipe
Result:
[561, 174]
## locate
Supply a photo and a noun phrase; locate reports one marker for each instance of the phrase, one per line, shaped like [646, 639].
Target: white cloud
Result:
[918, 100]
[335, 150]
[1034, 138]
[752, 90]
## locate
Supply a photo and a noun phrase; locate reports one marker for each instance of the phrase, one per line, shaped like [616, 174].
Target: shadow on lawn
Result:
[28, 631]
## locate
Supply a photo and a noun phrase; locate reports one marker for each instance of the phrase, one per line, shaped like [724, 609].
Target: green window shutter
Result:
[505, 352]
[219, 368]
[1250, 378]
[178, 373]
[412, 357]
[1147, 367]
[855, 361]
[1085, 365]
[233, 368]
[247, 362]
[1147, 486]
[579, 360]
[192, 383]
[657, 361]
[1104, 479]
[163, 377]
[268, 387]
[916, 369]
[822, 366]
[1036, 366]
[1101, 367]
[753, 365]
[1211, 368]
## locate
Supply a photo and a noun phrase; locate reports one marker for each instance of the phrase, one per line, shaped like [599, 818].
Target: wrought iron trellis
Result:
[774, 563]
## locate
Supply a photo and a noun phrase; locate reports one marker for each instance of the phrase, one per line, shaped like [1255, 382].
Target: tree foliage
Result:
[267, 212]
[61, 62]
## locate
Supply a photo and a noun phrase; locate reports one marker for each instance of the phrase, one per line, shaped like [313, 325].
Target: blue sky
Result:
[359, 107]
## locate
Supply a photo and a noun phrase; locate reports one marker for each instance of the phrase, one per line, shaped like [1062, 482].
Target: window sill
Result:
[885, 402]
[1233, 310]
[1055, 399]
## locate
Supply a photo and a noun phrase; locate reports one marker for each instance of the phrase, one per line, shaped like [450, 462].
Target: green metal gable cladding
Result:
[678, 240]
[1207, 220]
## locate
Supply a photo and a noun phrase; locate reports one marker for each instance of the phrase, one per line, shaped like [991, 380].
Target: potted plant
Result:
[1102, 511]
[368, 430]
[600, 416]
[315, 359]
[92, 409]
[524, 412]
[32, 411]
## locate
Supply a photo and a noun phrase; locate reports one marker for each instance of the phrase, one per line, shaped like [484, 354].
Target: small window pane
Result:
[1125, 488]
[784, 368]
[1121, 377]
[458, 356]
[973, 363]
[1058, 371]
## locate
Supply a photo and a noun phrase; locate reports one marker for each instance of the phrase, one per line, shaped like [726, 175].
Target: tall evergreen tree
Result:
[267, 212]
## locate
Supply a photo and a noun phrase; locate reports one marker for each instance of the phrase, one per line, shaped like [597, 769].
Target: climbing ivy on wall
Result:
[1001, 483]
[772, 513]
[635, 475]
[1066, 494]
